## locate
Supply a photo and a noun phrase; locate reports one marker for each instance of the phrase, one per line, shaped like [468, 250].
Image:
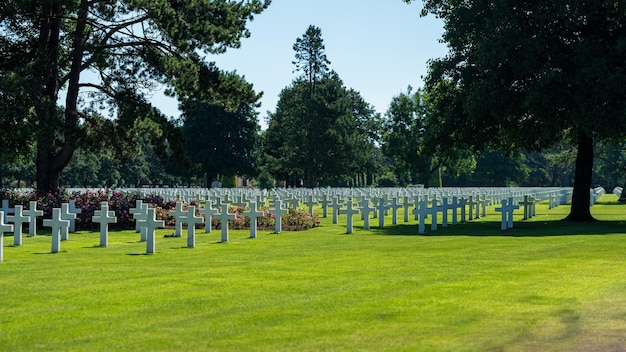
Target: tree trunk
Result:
[311, 177]
[622, 197]
[581, 198]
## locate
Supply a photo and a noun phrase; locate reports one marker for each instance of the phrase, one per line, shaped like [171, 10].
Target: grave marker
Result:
[58, 226]
[104, 216]
[6, 209]
[192, 220]
[18, 218]
[365, 212]
[149, 226]
[507, 210]
[406, 204]
[434, 209]
[73, 210]
[395, 205]
[179, 215]
[32, 214]
[224, 216]
[382, 208]
[3, 228]
[140, 213]
[278, 212]
[208, 212]
[350, 212]
[336, 207]
[420, 212]
[253, 214]
[527, 203]
[70, 217]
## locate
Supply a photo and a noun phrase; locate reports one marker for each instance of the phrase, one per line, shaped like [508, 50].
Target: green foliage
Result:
[310, 56]
[132, 46]
[525, 75]
[321, 132]
[222, 141]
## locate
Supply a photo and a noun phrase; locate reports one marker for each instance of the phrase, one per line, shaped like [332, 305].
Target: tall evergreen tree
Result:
[321, 130]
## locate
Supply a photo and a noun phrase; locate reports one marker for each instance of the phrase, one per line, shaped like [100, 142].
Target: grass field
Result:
[543, 286]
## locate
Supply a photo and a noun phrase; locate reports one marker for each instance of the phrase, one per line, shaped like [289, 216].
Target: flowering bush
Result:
[294, 220]
[121, 203]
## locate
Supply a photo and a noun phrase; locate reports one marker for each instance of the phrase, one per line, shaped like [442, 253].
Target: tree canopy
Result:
[321, 130]
[47, 47]
[524, 75]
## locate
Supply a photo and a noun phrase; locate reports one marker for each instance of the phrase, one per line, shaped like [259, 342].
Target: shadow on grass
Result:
[520, 229]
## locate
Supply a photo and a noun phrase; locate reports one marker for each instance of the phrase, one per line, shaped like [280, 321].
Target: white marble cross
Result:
[350, 212]
[507, 210]
[3, 228]
[58, 226]
[6, 210]
[224, 216]
[434, 209]
[365, 209]
[406, 204]
[335, 205]
[382, 208]
[527, 203]
[32, 214]
[18, 218]
[471, 204]
[192, 219]
[179, 215]
[72, 209]
[104, 216]
[445, 206]
[310, 202]
[324, 202]
[69, 216]
[420, 212]
[150, 224]
[140, 213]
[278, 212]
[208, 212]
[253, 214]
[395, 205]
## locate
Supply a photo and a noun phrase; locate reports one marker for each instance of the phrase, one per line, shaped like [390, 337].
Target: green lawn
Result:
[543, 286]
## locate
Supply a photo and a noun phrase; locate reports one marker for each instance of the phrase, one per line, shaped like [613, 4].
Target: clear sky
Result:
[378, 47]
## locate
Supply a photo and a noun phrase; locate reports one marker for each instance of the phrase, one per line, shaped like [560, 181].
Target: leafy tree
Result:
[221, 141]
[524, 75]
[406, 141]
[321, 131]
[46, 46]
[327, 137]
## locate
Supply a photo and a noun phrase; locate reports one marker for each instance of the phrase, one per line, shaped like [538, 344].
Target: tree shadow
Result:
[520, 229]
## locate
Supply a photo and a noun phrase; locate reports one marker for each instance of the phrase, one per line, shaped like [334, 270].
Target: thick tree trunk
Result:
[58, 131]
[582, 180]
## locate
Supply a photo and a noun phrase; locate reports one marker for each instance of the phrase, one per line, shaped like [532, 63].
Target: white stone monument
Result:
[18, 218]
[32, 214]
[3, 228]
[253, 214]
[58, 226]
[104, 216]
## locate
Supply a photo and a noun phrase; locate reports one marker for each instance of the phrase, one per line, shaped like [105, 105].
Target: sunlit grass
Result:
[544, 285]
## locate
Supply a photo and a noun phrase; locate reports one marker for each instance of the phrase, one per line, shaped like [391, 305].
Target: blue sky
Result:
[378, 47]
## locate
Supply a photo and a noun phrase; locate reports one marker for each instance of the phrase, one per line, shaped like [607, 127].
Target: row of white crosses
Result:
[424, 203]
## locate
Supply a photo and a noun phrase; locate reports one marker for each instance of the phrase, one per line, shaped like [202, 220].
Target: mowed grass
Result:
[543, 286]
